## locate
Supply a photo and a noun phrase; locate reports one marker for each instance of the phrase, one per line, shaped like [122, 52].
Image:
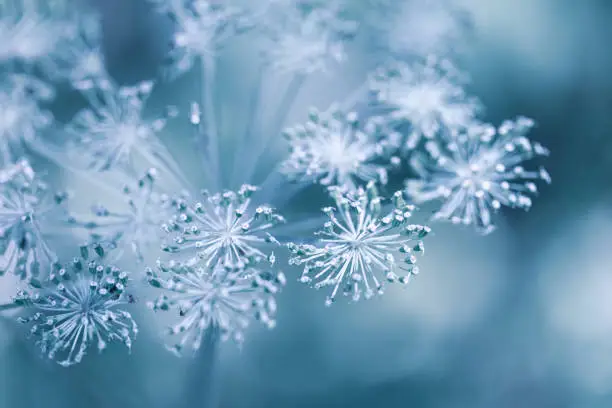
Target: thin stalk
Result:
[201, 385]
[9, 306]
[63, 162]
[252, 131]
[277, 123]
[210, 121]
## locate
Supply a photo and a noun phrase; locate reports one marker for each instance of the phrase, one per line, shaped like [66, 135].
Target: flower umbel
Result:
[306, 42]
[222, 228]
[27, 211]
[79, 306]
[202, 27]
[138, 226]
[332, 148]
[428, 97]
[360, 245]
[22, 119]
[475, 173]
[112, 134]
[206, 297]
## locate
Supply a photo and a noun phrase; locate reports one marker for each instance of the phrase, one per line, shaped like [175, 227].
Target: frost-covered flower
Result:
[214, 297]
[32, 32]
[22, 119]
[333, 148]
[112, 134]
[202, 27]
[29, 212]
[222, 228]
[81, 304]
[427, 96]
[361, 245]
[136, 227]
[307, 41]
[475, 173]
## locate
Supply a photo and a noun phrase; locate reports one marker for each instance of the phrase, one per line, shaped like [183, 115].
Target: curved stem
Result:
[201, 385]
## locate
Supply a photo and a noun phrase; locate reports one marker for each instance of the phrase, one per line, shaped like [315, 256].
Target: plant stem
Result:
[201, 385]
[278, 120]
[210, 120]
[9, 306]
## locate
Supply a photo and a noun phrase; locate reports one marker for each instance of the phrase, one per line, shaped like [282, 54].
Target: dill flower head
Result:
[333, 148]
[81, 305]
[477, 172]
[223, 228]
[207, 297]
[28, 215]
[361, 245]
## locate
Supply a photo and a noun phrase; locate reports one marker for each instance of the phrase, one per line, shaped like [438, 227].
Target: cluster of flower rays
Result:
[209, 243]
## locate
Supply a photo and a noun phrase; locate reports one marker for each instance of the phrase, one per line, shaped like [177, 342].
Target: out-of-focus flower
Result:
[28, 216]
[427, 96]
[202, 27]
[138, 226]
[418, 28]
[111, 134]
[32, 32]
[332, 148]
[360, 246]
[222, 228]
[80, 305]
[306, 41]
[82, 59]
[477, 172]
[22, 119]
[214, 297]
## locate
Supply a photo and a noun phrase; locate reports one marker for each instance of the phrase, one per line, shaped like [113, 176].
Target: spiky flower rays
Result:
[32, 32]
[113, 135]
[360, 245]
[137, 225]
[28, 213]
[476, 173]
[222, 228]
[333, 148]
[307, 41]
[22, 118]
[427, 96]
[80, 306]
[214, 297]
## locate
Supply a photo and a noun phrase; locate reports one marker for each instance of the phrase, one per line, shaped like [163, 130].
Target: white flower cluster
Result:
[413, 113]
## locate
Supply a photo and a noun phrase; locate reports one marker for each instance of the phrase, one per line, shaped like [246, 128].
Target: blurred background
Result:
[519, 318]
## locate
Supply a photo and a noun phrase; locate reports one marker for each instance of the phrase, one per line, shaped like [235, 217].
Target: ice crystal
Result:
[476, 173]
[139, 225]
[360, 245]
[214, 297]
[332, 148]
[308, 41]
[28, 210]
[112, 134]
[428, 96]
[202, 27]
[222, 228]
[22, 119]
[81, 304]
